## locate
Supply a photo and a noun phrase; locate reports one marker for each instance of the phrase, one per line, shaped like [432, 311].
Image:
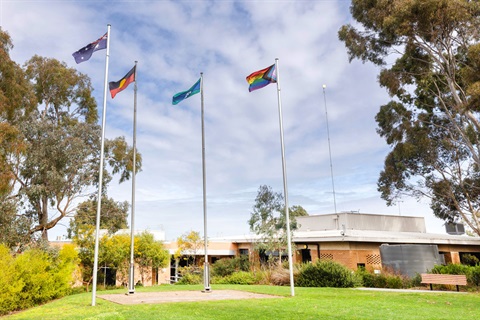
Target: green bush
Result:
[368, 279]
[380, 281]
[383, 280]
[416, 281]
[227, 266]
[394, 282]
[470, 260]
[35, 276]
[451, 269]
[241, 277]
[33, 266]
[64, 264]
[472, 272]
[190, 275]
[326, 274]
[190, 279]
[474, 275]
[10, 284]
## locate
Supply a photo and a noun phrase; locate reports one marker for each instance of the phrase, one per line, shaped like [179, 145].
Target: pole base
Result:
[207, 290]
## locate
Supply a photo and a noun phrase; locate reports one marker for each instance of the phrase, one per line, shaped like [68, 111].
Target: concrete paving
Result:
[182, 296]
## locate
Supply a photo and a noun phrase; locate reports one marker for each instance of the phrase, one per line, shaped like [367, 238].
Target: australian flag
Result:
[86, 52]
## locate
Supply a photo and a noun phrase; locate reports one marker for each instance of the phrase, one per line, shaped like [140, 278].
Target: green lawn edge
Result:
[308, 303]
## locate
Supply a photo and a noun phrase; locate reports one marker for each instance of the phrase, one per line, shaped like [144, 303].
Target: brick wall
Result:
[352, 258]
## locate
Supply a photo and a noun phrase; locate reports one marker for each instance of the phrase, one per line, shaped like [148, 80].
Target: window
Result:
[243, 252]
[306, 256]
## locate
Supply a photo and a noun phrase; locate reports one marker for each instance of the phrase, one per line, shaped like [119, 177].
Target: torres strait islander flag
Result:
[116, 87]
[86, 52]
[186, 94]
[262, 78]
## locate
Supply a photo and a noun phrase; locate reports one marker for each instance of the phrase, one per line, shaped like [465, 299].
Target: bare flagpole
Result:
[131, 275]
[206, 271]
[329, 150]
[100, 174]
[285, 188]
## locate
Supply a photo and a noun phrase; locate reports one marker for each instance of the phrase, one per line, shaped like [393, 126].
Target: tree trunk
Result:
[43, 219]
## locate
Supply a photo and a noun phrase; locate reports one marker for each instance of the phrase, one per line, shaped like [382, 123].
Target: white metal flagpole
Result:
[329, 150]
[131, 275]
[206, 271]
[100, 174]
[285, 188]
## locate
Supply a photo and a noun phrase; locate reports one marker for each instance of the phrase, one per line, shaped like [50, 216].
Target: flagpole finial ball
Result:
[324, 86]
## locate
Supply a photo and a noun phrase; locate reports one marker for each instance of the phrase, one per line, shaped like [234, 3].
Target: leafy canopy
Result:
[428, 54]
[50, 143]
[268, 219]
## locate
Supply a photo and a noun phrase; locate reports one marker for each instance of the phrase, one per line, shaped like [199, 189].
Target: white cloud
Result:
[173, 41]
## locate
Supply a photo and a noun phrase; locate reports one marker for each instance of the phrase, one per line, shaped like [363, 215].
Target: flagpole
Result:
[131, 275]
[285, 188]
[329, 149]
[206, 271]
[100, 174]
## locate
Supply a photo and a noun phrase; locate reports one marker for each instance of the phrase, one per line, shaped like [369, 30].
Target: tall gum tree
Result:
[50, 156]
[433, 75]
[16, 102]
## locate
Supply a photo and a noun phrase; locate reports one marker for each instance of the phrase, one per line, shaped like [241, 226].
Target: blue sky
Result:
[173, 41]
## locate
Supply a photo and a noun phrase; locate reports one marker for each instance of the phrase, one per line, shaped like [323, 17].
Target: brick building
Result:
[357, 239]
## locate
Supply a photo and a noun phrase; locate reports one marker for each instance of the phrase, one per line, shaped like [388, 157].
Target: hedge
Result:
[34, 277]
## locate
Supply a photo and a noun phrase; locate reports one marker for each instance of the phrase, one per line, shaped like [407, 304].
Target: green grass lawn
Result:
[308, 303]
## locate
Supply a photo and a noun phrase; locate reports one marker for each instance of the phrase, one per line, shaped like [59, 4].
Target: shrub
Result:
[474, 275]
[241, 277]
[394, 282]
[190, 275]
[470, 260]
[33, 266]
[451, 269]
[10, 285]
[280, 277]
[63, 267]
[36, 276]
[416, 281]
[383, 280]
[263, 276]
[380, 281]
[190, 278]
[326, 274]
[367, 278]
[227, 266]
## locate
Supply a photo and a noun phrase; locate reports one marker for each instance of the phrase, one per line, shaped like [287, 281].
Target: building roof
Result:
[361, 227]
[383, 237]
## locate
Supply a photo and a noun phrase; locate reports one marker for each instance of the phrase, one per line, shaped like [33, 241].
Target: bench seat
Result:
[451, 279]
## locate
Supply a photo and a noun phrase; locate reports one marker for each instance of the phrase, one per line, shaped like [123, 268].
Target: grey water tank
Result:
[410, 259]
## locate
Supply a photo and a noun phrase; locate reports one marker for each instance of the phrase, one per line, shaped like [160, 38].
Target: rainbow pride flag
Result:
[262, 78]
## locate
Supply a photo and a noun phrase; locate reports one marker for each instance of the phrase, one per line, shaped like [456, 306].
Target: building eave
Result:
[383, 237]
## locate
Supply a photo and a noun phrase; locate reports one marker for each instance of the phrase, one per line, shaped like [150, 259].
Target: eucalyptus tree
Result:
[428, 52]
[268, 220]
[16, 102]
[50, 140]
[113, 216]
